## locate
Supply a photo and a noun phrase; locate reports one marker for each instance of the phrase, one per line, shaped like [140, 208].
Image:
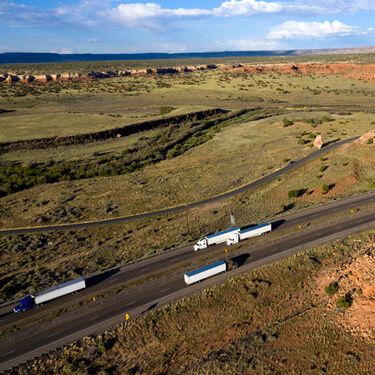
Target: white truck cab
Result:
[201, 244]
[233, 239]
[214, 239]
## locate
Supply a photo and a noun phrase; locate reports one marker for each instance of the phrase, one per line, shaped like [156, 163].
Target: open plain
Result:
[88, 147]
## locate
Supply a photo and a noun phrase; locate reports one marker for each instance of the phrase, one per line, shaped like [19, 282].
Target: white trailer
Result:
[205, 272]
[215, 238]
[253, 231]
[59, 290]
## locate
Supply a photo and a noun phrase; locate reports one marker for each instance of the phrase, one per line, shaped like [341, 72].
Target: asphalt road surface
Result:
[25, 344]
[173, 210]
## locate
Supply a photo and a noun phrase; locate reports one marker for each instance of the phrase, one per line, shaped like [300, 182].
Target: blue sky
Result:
[120, 26]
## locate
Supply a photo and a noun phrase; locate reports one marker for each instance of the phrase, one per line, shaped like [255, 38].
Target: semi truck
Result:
[253, 231]
[216, 238]
[210, 270]
[31, 301]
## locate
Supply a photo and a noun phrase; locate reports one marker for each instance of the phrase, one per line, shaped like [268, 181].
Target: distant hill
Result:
[28, 57]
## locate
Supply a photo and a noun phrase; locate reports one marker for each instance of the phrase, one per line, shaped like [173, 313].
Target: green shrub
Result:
[165, 110]
[370, 141]
[70, 368]
[106, 344]
[332, 288]
[327, 119]
[295, 193]
[325, 188]
[323, 168]
[287, 122]
[303, 141]
[345, 302]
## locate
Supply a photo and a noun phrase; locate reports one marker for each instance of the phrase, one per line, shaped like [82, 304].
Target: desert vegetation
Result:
[184, 158]
[79, 149]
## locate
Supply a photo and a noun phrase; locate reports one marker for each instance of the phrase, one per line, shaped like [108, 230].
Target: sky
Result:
[121, 26]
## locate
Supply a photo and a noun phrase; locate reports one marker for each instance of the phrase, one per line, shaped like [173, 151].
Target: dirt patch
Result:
[355, 279]
[367, 138]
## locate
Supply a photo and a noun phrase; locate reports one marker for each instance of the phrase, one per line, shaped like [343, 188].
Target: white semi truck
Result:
[31, 301]
[216, 238]
[253, 231]
[210, 270]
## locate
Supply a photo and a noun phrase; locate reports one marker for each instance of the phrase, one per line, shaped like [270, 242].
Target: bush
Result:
[345, 302]
[303, 141]
[70, 368]
[332, 288]
[104, 345]
[295, 193]
[323, 168]
[325, 188]
[370, 141]
[287, 122]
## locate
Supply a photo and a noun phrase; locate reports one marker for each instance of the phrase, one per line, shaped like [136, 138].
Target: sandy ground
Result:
[356, 277]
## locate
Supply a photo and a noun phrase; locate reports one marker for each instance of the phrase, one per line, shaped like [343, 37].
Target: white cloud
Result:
[246, 7]
[152, 15]
[295, 29]
[147, 15]
[63, 51]
[249, 45]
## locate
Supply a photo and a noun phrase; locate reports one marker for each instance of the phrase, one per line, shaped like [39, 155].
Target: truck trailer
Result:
[253, 231]
[31, 301]
[205, 272]
[216, 238]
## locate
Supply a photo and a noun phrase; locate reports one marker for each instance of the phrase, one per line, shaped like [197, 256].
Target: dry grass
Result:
[238, 154]
[37, 261]
[91, 105]
[241, 153]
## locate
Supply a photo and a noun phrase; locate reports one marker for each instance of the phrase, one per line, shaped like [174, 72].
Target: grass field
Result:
[240, 153]
[254, 323]
[33, 262]
[271, 320]
[212, 163]
[102, 104]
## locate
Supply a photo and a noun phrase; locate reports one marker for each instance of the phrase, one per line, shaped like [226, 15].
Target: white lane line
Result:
[112, 281]
[93, 318]
[3, 355]
[145, 269]
[164, 290]
[132, 303]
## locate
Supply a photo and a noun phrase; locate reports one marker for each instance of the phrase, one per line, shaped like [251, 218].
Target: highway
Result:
[173, 210]
[147, 267]
[98, 316]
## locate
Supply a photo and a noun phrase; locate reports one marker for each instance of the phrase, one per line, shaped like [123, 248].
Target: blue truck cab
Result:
[24, 304]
